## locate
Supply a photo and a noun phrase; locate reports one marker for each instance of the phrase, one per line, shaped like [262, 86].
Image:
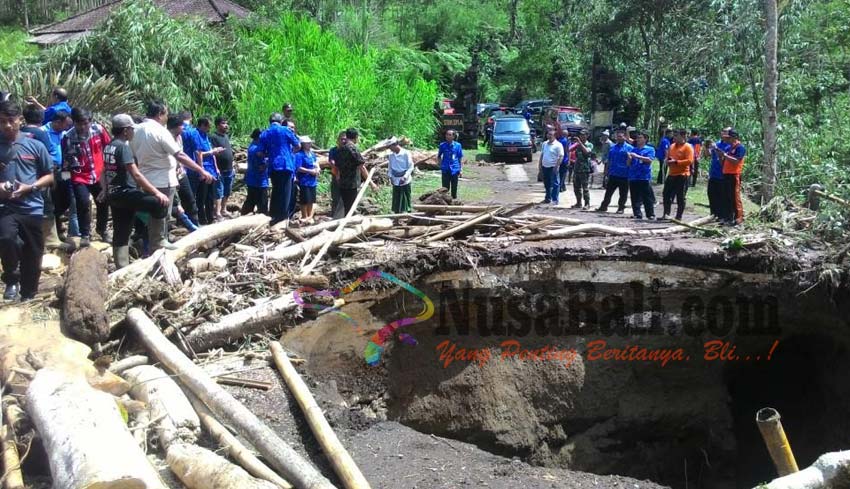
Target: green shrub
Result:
[15, 47]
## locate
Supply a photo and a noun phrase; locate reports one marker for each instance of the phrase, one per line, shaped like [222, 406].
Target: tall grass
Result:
[15, 47]
[332, 86]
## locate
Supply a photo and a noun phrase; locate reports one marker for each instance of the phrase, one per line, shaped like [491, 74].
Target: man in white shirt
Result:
[157, 154]
[551, 156]
[400, 170]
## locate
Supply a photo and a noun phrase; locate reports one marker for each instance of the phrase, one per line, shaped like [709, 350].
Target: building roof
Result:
[213, 11]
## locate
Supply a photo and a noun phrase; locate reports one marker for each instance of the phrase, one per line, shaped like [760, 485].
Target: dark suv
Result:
[511, 138]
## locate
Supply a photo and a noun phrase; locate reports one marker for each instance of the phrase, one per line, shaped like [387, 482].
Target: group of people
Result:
[627, 162]
[56, 163]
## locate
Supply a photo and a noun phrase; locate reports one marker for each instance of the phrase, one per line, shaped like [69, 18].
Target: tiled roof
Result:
[75, 26]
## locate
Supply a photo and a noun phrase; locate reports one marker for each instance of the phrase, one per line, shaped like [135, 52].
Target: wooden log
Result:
[278, 453]
[342, 223]
[558, 219]
[199, 468]
[603, 230]
[234, 448]
[84, 436]
[237, 325]
[190, 244]
[25, 340]
[326, 239]
[84, 297]
[12, 474]
[453, 208]
[343, 464]
[316, 281]
[166, 402]
[128, 363]
[480, 218]
[239, 382]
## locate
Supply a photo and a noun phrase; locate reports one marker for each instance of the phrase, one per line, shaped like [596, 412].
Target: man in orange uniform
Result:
[680, 157]
[733, 164]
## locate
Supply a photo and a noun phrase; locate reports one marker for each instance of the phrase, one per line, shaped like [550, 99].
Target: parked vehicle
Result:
[570, 119]
[512, 138]
[480, 108]
[485, 121]
[534, 105]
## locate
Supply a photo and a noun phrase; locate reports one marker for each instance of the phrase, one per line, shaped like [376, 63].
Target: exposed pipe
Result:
[770, 426]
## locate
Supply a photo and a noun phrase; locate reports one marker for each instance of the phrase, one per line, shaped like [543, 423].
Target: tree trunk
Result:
[277, 452]
[512, 12]
[84, 297]
[771, 79]
[166, 402]
[239, 324]
[86, 441]
[199, 468]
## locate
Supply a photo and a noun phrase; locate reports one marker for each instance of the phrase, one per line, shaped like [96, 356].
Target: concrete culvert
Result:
[635, 368]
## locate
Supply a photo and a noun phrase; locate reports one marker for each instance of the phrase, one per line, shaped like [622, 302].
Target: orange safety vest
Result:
[731, 167]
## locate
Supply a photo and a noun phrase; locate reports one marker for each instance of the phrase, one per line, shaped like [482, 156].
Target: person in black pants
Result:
[352, 167]
[640, 177]
[618, 172]
[450, 156]
[256, 179]
[126, 190]
[26, 173]
[680, 157]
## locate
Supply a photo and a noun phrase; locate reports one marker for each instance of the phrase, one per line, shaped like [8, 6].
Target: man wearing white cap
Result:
[308, 171]
[125, 189]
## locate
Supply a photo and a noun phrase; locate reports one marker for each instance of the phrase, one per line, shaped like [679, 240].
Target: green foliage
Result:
[186, 63]
[15, 47]
[331, 86]
[102, 95]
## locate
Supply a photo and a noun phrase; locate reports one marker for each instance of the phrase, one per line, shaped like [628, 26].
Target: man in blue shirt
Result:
[450, 155]
[640, 177]
[209, 194]
[564, 168]
[715, 173]
[661, 155]
[618, 172]
[26, 173]
[278, 143]
[256, 179]
[58, 101]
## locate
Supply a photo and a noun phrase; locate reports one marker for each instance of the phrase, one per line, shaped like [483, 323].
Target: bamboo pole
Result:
[279, 454]
[309, 268]
[339, 457]
[770, 426]
[453, 208]
[234, 447]
[485, 216]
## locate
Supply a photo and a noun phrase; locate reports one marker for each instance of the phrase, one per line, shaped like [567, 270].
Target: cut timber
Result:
[253, 320]
[342, 462]
[23, 338]
[166, 402]
[603, 230]
[316, 281]
[327, 239]
[127, 363]
[829, 471]
[317, 228]
[191, 243]
[199, 468]
[276, 451]
[342, 223]
[453, 208]
[480, 218]
[234, 447]
[87, 444]
[84, 298]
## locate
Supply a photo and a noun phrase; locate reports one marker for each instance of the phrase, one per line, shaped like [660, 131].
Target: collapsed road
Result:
[489, 344]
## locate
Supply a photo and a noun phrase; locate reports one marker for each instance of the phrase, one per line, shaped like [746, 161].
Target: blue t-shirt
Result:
[618, 157]
[450, 155]
[53, 109]
[25, 160]
[640, 170]
[566, 144]
[277, 142]
[56, 142]
[715, 170]
[189, 137]
[306, 160]
[663, 146]
[202, 143]
[258, 170]
[40, 135]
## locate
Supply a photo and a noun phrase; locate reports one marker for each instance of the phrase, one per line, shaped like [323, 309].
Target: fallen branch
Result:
[128, 363]
[342, 223]
[453, 208]
[326, 239]
[84, 436]
[189, 244]
[234, 447]
[199, 468]
[603, 230]
[341, 461]
[252, 320]
[238, 382]
[12, 476]
[279, 454]
[485, 216]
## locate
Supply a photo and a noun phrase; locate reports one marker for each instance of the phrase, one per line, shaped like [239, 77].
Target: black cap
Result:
[733, 133]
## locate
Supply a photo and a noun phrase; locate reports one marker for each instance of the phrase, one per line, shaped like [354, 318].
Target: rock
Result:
[50, 262]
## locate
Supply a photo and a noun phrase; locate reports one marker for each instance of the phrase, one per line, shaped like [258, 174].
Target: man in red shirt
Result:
[82, 163]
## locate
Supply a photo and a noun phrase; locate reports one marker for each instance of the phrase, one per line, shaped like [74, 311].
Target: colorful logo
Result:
[375, 347]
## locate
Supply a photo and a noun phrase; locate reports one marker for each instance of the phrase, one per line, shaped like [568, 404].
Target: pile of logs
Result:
[220, 284]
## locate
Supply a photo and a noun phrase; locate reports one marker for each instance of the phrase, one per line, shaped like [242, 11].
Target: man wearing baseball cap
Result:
[125, 189]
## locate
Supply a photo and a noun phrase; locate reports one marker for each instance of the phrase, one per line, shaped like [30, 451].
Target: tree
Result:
[771, 79]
